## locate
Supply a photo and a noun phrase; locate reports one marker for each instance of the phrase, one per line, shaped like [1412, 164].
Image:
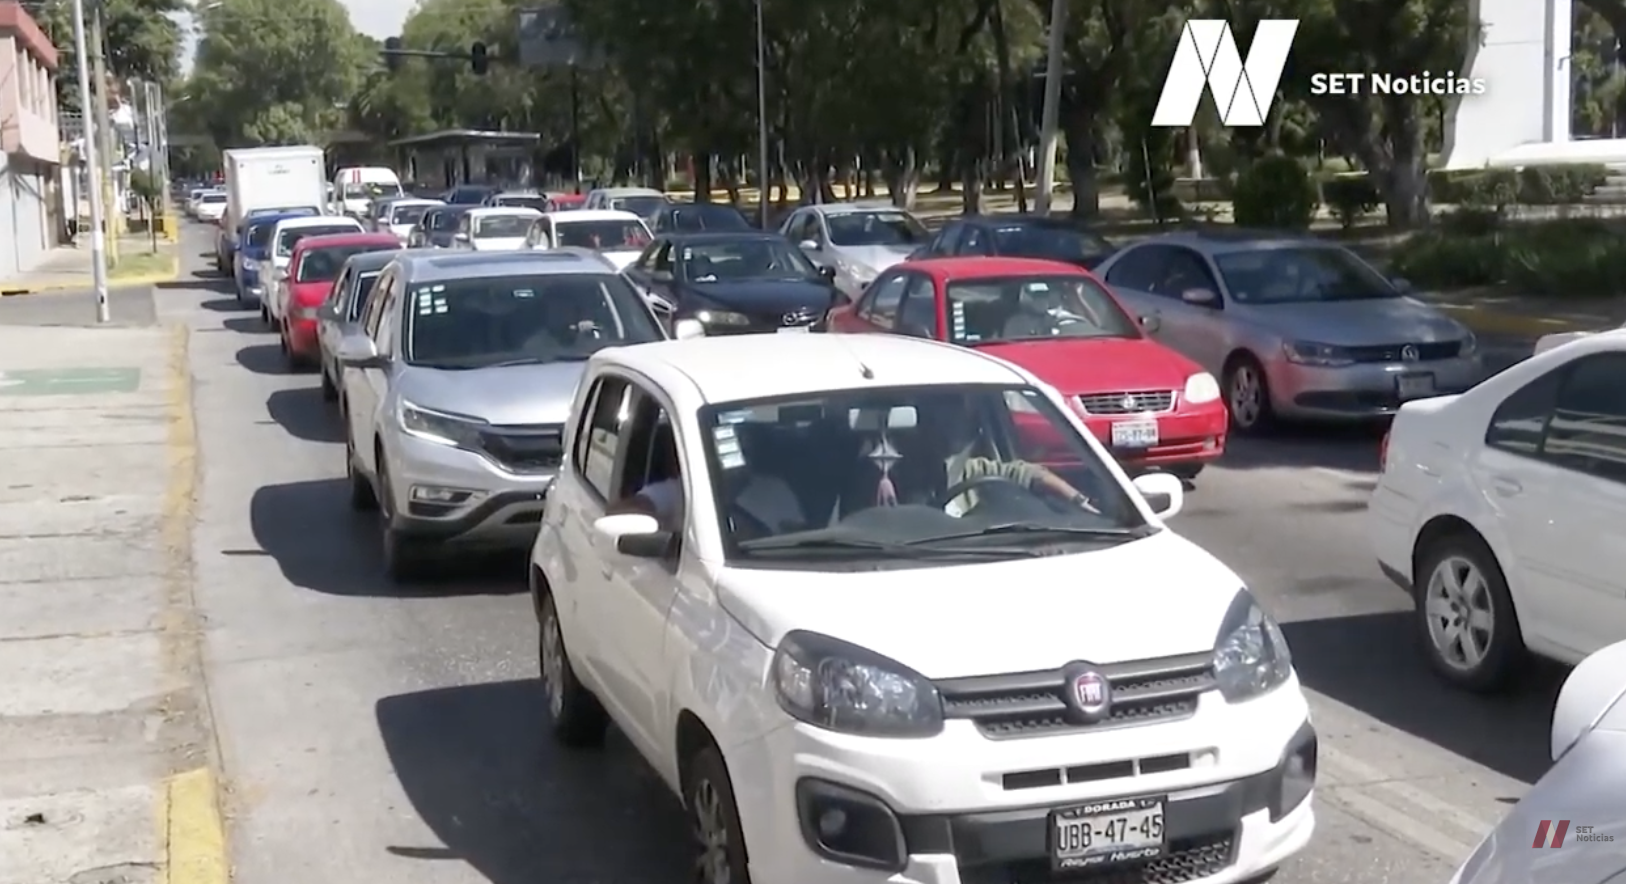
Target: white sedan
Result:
[1570, 828]
[1548, 342]
[1500, 509]
[865, 642]
[494, 229]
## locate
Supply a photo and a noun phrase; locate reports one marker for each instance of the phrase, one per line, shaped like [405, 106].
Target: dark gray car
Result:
[340, 315]
[437, 227]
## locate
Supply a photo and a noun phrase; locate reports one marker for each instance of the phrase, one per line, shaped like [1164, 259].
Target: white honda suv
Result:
[866, 640]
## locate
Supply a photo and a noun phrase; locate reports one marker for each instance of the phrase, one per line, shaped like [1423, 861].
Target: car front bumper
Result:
[1187, 436]
[1363, 390]
[453, 495]
[1242, 807]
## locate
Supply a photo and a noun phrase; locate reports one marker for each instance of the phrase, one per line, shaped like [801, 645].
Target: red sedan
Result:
[312, 268]
[1151, 406]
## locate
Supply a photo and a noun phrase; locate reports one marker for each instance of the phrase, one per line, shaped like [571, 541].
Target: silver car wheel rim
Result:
[553, 665]
[1245, 395]
[1461, 615]
[711, 832]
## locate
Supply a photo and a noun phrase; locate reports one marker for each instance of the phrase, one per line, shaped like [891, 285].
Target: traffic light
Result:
[479, 61]
[392, 46]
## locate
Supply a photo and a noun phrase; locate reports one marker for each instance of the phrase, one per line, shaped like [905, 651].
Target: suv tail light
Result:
[1383, 452]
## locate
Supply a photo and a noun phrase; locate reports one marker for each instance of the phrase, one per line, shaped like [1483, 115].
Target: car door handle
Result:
[1507, 486]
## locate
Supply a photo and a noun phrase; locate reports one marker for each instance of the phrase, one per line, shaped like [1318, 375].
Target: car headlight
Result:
[1250, 653]
[437, 426]
[1312, 353]
[722, 317]
[1469, 345]
[250, 264]
[1201, 387]
[832, 684]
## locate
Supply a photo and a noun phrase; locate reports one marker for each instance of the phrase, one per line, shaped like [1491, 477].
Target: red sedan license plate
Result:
[1106, 833]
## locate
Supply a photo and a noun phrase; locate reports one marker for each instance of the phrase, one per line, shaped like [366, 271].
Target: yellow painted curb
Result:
[194, 839]
[169, 274]
[1495, 322]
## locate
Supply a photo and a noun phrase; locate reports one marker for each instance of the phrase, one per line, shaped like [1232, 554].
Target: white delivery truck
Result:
[355, 188]
[292, 177]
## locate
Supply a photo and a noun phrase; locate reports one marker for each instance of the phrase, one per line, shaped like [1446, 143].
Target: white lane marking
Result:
[1360, 780]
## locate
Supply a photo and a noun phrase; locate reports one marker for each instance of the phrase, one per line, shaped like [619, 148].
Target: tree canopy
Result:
[143, 42]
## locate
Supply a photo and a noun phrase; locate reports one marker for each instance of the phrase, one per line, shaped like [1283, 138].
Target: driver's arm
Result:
[1028, 475]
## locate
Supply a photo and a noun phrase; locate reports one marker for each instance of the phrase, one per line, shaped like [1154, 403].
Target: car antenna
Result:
[864, 371]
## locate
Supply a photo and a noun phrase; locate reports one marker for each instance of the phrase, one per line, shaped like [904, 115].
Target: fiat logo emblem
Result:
[1409, 353]
[1088, 693]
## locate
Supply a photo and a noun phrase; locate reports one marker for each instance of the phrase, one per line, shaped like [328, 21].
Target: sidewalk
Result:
[69, 267]
[105, 772]
[1491, 312]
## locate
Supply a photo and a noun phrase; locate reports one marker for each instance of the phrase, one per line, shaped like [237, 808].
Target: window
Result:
[1021, 308]
[884, 228]
[803, 227]
[323, 265]
[289, 237]
[1587, 432]
[602, 442]
[696, 218]
[747, 258]
[339, 294]
[1519, 422]
[502, 226]
[918, 314]
[375, 306]
[642, 206]
[361, 290]
[1051, 242]
[881, 302]
[612, 234]
[441, 220]
[660, 261]
[1135, 271]
[947, 240]
[408, 214]
[1300, 274]
[975, 242]
[539, 203]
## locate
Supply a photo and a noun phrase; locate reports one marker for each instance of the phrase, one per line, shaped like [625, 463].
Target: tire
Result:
[1500, 645]
[265, 315]
[405, 558]
[330, 392]
[1186, 472]
[1250, 412]
[708, 800]
[575, 716]
[362, 497]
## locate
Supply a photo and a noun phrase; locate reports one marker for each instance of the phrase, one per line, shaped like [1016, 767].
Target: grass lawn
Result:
[143, 263]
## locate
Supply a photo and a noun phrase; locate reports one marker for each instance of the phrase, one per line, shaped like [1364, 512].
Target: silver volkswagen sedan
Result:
[1294, 327]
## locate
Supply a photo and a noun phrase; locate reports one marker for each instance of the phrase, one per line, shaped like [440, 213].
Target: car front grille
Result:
[1128, 402]
[1188, 859]
[535, 448]
[1432, 352]
[1030, 704]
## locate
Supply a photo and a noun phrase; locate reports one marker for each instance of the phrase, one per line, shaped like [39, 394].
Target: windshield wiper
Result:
[538, 360]
[1033, 528]
[909, 549]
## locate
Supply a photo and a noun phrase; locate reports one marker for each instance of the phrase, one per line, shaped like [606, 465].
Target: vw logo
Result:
[1409, 353]
[1088, 693]
[796, 317]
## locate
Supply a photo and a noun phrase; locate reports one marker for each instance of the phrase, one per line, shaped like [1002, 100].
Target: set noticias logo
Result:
[1582, 833]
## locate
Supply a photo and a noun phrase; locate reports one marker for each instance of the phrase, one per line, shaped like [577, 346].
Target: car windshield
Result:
[693, 219]
[1028, 308]
[361, 290]
[642, 206]
[874, 229]
[212, 198]
[285, 210]
[443, 219]
[370, 190]
[468, 196]
[502, 226]
[292, 235]
[613, 234]
[476, 323]
[539, 203]
[324, 264]
[1298, 274]
[408, 214]
[908, 475]
[1067, 244]
[259, 234]
[758, 257]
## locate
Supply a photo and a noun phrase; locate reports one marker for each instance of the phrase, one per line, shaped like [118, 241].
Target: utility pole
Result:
[762, 120]
[575, 127]
[98, 252]
[104, 127]
[1055, 66]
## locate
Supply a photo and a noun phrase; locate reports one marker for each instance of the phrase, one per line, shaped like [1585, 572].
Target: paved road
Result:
[372, 735]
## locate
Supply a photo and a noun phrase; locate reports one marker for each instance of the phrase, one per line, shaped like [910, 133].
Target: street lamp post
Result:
[98, 241]
[762, 120]
[1051, 114]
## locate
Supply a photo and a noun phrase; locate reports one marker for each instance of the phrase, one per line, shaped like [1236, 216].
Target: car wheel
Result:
[405, 559]
[362, 497]
[265, 315]
[1187, 473]
[330, 392]
[1247, 395]
[575, 715]
[1465, 614]
[708, 796]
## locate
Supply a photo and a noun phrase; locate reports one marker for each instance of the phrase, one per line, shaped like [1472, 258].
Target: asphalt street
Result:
[372, 734]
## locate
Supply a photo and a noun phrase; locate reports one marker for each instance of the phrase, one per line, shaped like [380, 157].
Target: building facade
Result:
[30, 140]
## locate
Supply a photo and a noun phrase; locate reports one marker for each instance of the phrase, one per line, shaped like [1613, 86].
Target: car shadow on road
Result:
[304, 414]
[263, 359]
[1334, 447]
[480, 769]
[1372, 663]
[322, 545]
[225, 305]
[247, 325]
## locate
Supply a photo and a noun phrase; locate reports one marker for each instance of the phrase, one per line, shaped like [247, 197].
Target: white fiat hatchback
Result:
[881, 609]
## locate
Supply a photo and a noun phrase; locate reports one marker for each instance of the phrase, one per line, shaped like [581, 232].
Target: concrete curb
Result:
[1496, 322]
[166, 275]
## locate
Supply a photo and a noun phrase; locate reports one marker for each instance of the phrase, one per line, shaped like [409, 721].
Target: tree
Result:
[276, 71]
[143, 42]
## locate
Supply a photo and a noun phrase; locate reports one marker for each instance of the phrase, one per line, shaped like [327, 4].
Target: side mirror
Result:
[808, 245]
[687, 329]
[281, 275]
[1151, 322]
[1163, 493]
[635, 534]
[460, 237]
[1200, 297]
[359, 351]
[1402, 286]
[1592, 689]
[828, 273]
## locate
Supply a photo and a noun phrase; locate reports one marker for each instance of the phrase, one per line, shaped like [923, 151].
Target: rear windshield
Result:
[324, 264]
[285, 242]
[212, 198]
[501, 226]
[260, 234]
[407, 214]
[601, 234]
[539, 203]
[444, 220]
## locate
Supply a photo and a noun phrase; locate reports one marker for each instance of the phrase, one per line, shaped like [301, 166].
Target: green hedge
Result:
[1570, 258]
[1530, 186]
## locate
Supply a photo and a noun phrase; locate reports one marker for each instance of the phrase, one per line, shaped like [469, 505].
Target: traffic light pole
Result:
[576, 128]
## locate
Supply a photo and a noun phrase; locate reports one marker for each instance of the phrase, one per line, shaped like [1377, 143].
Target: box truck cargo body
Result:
[273, 178]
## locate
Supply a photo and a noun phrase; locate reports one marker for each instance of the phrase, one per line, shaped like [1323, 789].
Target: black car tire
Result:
[1241, 370]
[406, 558]
[708, 799]
[362, 497]
[575, 716]
[330, 392]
